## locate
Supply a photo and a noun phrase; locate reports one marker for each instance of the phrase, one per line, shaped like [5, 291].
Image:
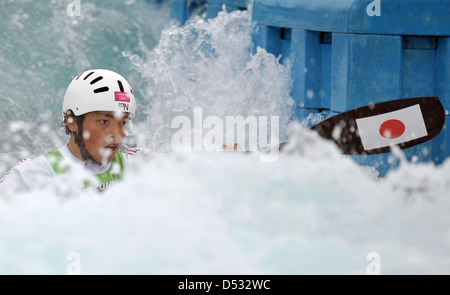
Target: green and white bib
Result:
[104, 180]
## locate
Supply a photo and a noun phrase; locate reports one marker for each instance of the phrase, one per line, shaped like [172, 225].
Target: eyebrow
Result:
[106, 114]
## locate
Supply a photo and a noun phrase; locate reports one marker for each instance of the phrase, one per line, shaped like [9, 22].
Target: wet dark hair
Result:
[79, 120]
[78, 136]
[69, 113]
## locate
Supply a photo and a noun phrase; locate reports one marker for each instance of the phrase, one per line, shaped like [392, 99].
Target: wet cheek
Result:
[86, 135]
[93, 141]
[124, 132]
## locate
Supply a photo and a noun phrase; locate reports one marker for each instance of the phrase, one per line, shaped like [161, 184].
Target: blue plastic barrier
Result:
[181, 10]
[349, 53]
[216, 6]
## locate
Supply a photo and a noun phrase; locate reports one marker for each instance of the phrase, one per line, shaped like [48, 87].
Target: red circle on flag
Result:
[392, 129]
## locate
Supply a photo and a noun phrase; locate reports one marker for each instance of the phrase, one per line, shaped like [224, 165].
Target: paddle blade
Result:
[375, 128]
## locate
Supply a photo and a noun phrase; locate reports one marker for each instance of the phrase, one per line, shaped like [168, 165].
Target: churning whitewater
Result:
[312, 211]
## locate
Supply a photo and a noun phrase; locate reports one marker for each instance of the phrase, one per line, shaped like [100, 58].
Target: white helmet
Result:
[99, 90]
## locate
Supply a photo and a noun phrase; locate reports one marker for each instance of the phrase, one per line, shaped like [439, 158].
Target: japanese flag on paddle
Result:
[373, 129]
[391, 128]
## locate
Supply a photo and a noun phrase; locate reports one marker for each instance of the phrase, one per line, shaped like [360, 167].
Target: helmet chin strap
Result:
[78, 136]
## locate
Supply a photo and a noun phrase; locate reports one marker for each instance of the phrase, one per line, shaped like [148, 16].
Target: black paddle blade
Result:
[375, 128]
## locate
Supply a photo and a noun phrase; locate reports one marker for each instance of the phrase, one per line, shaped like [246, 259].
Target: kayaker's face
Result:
[103, 134]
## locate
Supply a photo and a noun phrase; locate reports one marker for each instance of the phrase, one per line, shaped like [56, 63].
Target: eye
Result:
[104, 122]
[125, 123]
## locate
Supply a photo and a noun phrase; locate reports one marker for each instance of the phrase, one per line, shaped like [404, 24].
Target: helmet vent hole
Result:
[88, 75]
[120, 86]
[131, 90]
[102, 89]
[79, 76]
[96, 80]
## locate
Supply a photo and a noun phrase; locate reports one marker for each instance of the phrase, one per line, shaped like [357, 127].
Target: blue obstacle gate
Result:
[183, 9]
[216, 6]
[350, 53]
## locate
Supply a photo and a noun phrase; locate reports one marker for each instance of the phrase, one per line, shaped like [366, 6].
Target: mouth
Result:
[112, 148]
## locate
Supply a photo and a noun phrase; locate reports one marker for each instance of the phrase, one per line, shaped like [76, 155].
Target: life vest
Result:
[105, 179]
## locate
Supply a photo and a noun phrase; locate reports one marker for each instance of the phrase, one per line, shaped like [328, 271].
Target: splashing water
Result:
[311, 211]
[208, 65]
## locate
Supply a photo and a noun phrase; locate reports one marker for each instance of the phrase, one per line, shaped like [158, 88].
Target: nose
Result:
[118, 131]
